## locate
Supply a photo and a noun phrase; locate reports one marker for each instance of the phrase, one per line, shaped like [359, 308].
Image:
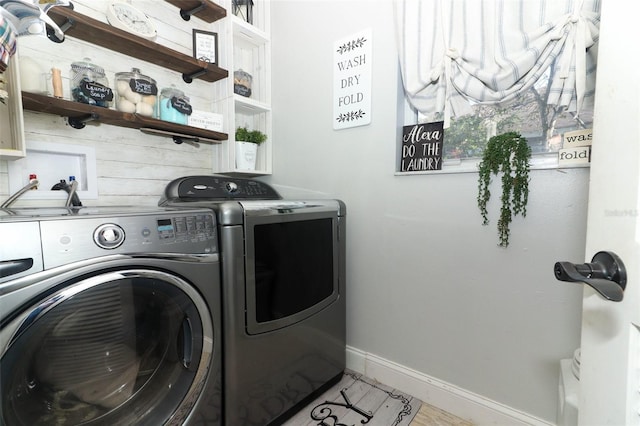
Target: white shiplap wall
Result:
[132, 167]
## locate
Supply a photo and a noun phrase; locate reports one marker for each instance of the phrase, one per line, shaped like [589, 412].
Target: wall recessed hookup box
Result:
[51, 162]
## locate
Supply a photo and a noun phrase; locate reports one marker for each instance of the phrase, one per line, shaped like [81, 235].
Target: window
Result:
[485, 68]
[543, 125]
[529, 114]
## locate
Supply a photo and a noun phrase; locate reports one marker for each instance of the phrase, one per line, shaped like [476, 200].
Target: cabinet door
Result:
[12, 144]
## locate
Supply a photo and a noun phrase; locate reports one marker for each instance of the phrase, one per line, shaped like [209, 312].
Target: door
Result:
[610, 355]
[117, 348]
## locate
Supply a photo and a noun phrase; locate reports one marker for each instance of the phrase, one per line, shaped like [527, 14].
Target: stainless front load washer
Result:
[109, 316]
[283, 286]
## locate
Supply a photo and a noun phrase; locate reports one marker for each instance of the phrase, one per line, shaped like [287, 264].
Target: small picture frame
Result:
[205, 46]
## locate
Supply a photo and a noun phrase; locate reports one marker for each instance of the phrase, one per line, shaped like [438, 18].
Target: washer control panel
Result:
[183, 228]
[108, 236]
[181, 231]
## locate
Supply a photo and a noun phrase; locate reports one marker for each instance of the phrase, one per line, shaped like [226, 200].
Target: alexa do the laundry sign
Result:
[422, 147]
[352, 81]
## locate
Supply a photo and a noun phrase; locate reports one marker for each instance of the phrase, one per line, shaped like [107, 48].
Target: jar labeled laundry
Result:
[135, 92]
[173, 105]
[89, 84]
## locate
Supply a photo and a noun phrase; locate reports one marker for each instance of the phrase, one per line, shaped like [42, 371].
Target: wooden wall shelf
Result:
[78, 112]
[77, 25]
[206, 10]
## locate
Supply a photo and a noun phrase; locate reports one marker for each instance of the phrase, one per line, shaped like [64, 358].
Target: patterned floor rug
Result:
[358, 400]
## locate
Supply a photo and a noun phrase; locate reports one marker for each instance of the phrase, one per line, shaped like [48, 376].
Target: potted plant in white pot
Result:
[247, 142]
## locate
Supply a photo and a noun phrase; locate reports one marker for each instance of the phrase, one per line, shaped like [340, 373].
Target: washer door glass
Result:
[119, 348]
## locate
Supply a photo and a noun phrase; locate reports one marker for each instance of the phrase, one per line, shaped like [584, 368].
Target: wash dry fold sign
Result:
[352, 81]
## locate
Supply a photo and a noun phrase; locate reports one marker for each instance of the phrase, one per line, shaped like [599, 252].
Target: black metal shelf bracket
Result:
[51, 33]
[189, 141]
[186, 14]
[188, 78]
[68, 24]
[81, 122]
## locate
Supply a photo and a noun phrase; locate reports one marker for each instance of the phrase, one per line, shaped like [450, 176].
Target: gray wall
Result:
[428, 288]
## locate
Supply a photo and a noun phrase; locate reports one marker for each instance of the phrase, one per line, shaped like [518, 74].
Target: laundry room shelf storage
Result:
[78, 112]
[248, 51]
[96, 32]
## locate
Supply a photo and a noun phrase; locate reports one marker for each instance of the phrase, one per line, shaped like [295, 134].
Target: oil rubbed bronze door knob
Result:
[606, 274]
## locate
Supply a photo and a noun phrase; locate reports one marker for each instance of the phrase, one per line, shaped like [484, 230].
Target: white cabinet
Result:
[247, 48]
[12, 146]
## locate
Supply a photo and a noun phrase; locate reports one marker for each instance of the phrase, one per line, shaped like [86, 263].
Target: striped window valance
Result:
[457, 52]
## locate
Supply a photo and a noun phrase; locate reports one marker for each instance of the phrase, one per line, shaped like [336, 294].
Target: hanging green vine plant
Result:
[508, 153]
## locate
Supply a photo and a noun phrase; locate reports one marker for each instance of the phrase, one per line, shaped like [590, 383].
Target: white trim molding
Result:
[460, 402]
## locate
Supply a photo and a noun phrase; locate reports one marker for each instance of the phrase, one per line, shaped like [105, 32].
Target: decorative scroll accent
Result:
[347, 47]
[324, 411]
[327, 413]
[353, 115]
[406, 408]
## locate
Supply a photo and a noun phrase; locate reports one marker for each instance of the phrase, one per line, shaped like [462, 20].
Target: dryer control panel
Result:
[217, 188]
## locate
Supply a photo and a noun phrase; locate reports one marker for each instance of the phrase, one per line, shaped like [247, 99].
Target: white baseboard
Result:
[457, 401]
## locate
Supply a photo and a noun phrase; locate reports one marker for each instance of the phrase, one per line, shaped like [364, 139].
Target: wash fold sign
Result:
[352, 80]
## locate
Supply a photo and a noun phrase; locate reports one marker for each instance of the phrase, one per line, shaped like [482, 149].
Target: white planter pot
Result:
[246, 154]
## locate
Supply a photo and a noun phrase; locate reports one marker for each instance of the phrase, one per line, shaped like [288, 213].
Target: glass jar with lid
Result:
[135, 93]
[173, 106]
[89, 84]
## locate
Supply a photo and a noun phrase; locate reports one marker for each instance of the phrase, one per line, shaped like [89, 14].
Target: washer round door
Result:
[118, 348]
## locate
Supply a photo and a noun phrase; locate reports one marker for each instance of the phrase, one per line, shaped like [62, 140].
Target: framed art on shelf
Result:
[205, 46]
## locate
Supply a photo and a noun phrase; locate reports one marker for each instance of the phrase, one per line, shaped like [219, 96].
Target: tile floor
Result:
[433, 416]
